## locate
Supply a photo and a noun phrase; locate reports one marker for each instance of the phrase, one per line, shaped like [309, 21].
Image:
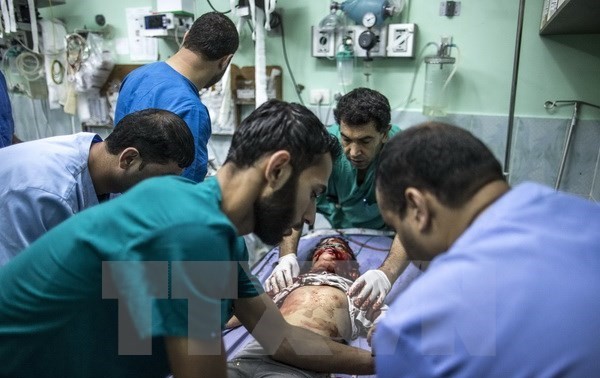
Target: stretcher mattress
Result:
[371, 248]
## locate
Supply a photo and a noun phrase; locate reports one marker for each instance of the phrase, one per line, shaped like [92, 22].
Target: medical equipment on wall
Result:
[439, 70]
[369, 35]
[169, 25]
[345, 62]
[171, 19]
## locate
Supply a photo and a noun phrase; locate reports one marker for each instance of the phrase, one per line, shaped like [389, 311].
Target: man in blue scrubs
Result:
[174, 85]
[363, 127]
[142, 285]
[46, 181]
[7, 125]
[512, 288]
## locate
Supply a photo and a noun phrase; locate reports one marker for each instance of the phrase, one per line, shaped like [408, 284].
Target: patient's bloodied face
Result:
[335, 256]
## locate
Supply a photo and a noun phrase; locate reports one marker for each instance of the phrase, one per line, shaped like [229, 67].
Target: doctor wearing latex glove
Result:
[363, 126]
[367, 292]
[370, 289]
[283, 274]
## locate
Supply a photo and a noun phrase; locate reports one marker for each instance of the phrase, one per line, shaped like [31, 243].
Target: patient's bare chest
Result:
[322, 309]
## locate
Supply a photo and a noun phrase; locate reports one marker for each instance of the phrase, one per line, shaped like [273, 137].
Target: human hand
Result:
[283, 275]
[370, 289]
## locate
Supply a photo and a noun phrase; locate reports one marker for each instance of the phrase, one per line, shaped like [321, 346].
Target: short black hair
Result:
[159, 135]
[279, 125]
[361, 106]
[212, 35]
[443, 159]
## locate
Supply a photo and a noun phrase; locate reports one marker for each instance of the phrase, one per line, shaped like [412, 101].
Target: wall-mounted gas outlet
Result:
[378, 50]
[400, 41]
[319, 97]
[323, 43]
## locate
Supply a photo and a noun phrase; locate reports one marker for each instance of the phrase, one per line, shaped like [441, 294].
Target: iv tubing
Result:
[454, 69]
[417, 68]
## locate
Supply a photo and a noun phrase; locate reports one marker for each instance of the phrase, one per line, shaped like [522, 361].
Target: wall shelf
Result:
[573, 17]
[243, 89]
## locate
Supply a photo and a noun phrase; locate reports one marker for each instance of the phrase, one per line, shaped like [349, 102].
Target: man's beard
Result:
[274, 215]
[215, 79]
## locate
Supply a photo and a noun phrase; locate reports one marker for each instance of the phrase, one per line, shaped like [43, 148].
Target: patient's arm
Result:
[233, 322]
[195, 358]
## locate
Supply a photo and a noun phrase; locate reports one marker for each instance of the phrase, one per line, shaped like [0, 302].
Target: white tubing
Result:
[34, 26]
[5, 17]
[260, 75]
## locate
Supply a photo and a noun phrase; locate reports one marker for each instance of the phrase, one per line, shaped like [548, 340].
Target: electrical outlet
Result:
[319, 96]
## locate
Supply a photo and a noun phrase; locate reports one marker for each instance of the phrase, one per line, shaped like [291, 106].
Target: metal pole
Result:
[567, 143]
[513, 90]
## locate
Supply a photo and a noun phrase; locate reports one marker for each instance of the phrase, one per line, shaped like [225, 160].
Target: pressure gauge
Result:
[369, 19]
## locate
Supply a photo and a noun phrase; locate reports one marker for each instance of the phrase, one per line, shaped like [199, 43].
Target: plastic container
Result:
[345, 67]
[435, 94]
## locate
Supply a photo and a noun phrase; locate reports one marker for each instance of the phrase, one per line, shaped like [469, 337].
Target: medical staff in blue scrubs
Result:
[174, 85]
[512, 289]
[46, 181]
[362, 127]
[141, 286]
[7, 125]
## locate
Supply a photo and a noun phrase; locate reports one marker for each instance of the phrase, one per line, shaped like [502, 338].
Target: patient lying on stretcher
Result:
[317, 301]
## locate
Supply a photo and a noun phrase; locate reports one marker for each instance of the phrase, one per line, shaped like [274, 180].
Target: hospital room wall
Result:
[551, 67]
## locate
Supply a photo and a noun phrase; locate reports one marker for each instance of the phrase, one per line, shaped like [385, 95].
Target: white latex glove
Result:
[283, 275]
[370, 289]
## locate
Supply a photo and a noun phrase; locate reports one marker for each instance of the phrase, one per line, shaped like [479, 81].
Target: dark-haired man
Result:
[48, 180]
[174, 85]
[363, 127]
[512, 289]
[142, 284]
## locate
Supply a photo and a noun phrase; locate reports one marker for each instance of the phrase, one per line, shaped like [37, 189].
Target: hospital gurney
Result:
[371, 248]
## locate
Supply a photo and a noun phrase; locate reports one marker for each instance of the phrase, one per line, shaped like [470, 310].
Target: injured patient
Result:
[317, 301]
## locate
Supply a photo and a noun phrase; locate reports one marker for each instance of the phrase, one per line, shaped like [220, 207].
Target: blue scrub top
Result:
[7, 125]
[515, 296]
[158, 85]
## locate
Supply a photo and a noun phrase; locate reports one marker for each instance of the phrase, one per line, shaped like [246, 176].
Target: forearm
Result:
[233, 322]
[307, 350]
[289, 244]
[396, 261]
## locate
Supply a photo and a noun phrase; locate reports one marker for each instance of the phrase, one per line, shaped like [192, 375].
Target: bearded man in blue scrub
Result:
[512, 288]
[171, 252]
[174, 85]
[46, 181]
[363, 127]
